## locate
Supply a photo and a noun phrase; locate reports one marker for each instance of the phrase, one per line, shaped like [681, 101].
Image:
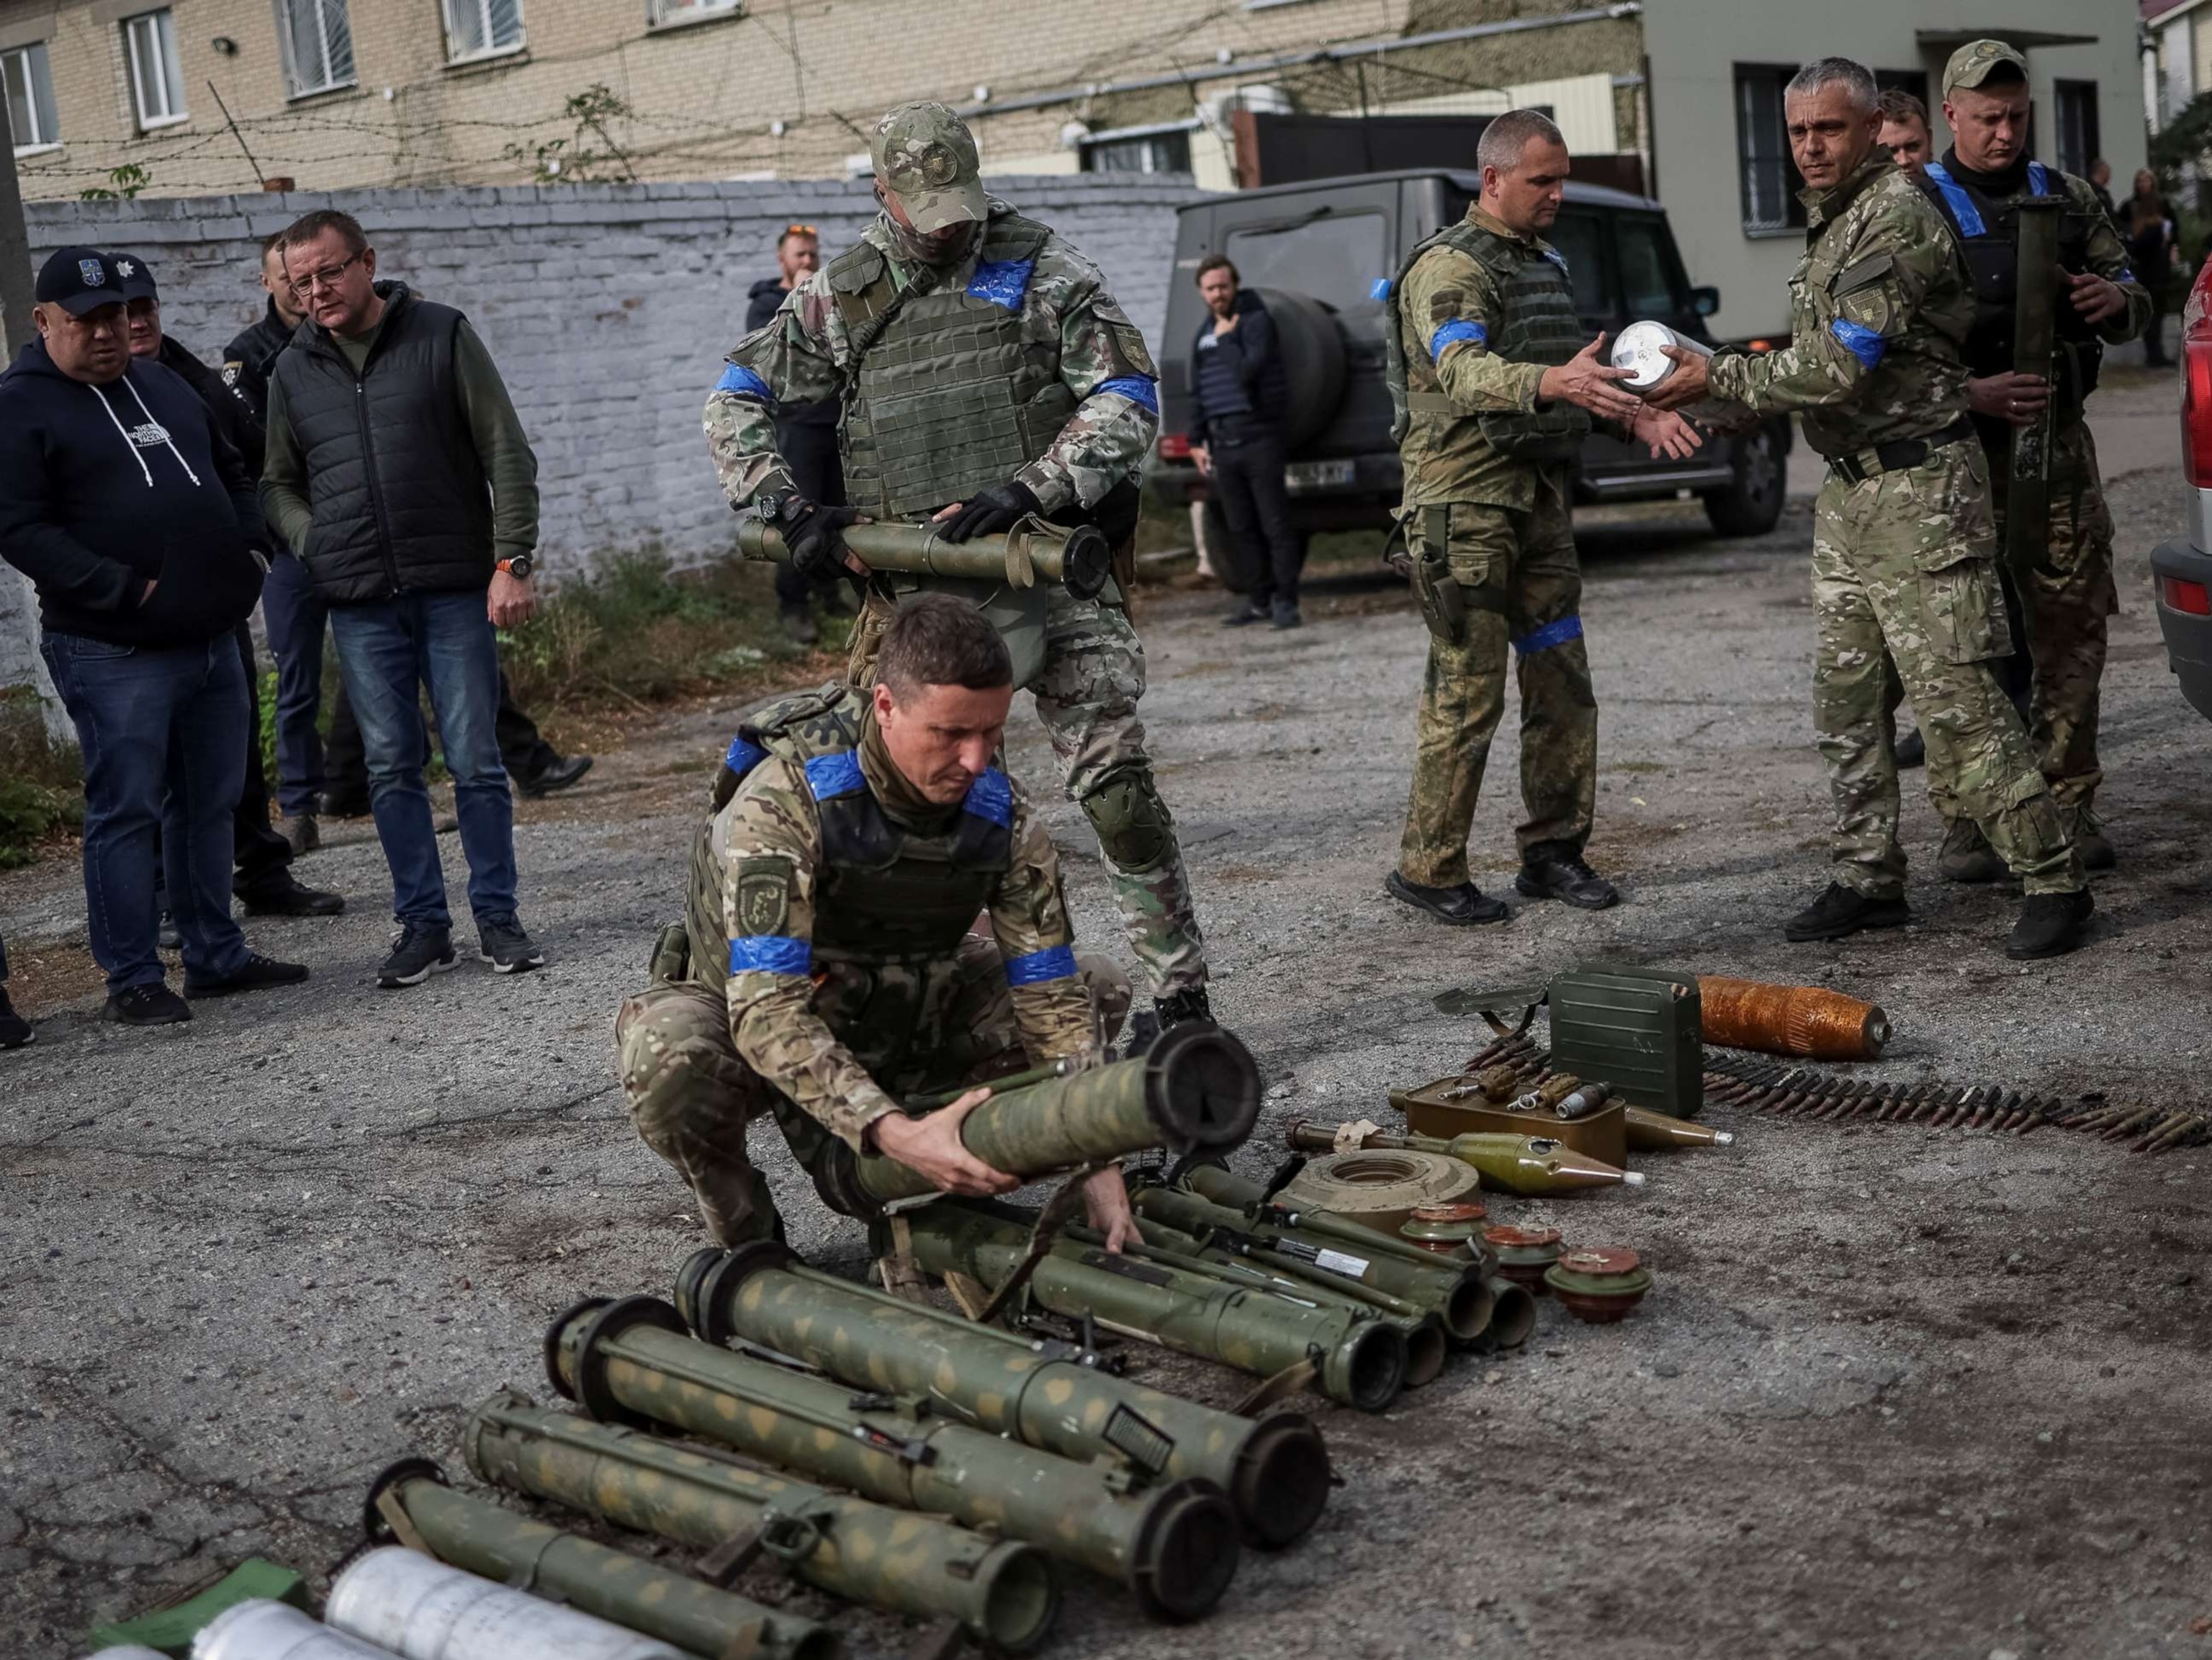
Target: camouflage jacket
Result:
[838, 1038]
[1879, 308]
[805, 355]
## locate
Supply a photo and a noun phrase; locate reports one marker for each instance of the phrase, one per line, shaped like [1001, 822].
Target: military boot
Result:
[2091, 842]
[1967, 855]
[2050, 925]
[1462, 907]
[1190, 1003]
[1841, 911]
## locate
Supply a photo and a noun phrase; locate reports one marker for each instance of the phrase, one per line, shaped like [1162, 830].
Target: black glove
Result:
[814, 535]
[987, 511]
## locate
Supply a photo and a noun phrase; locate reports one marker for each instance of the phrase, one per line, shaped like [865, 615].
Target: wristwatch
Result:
[520, 567]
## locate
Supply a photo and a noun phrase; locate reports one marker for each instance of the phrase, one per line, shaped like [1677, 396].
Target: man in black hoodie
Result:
[806, 433]
[135, 521]
[1237, 440]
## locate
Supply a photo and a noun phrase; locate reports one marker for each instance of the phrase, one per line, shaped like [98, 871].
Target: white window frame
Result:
[156, 29]
[329, 77]
[34, 81]
[669, 13]
[482, 10]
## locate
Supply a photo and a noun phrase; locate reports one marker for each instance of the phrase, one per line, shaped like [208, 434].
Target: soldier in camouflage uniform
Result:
[987, 380]
[1903, 545]
[2070, 593]
[824, 968]
[1494, 388]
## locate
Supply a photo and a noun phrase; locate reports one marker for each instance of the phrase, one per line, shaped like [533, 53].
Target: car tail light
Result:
[1175, 446]
[1759, 345]
[2197, 384]
[2190, 598]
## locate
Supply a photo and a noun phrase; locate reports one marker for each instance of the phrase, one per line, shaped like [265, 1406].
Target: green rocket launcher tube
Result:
[1080, 559]
[1037, 1390]
[633, 1361]
[1359, 1358]
[628, 1590]
[1000, 1593]
[1197, 1091]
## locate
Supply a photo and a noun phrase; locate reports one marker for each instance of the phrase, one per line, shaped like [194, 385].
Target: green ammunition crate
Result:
[1639, 1030]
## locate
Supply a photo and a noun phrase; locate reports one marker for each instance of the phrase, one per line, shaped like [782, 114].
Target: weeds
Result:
[41, 782]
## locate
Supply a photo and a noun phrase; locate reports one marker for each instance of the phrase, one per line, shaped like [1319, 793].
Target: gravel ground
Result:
[1897, 1391]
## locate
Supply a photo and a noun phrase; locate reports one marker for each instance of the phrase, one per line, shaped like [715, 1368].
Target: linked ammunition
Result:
[1079, 559]
[1531, 1165]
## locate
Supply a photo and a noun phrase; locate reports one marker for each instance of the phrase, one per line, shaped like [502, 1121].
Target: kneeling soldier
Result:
[826, 970]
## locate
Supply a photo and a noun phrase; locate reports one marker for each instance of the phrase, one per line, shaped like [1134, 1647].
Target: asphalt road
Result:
[1896, 1392]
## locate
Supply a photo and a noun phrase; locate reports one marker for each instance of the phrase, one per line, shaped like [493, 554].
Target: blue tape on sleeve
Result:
[1452, 333]
[743, 382]
[1381, 289]
[1863, 343]
[769, 953]
[2126, 275]
[832, 776]
[992, 797]
[2038, 179]
[1055, 962]
[744, 755]
[1961, 205]
[1141, 389]
[1550, 635]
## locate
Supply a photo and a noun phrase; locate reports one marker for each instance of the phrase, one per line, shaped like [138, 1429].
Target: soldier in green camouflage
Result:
[1979, 184]
[1904, 542]
[987, 379]
[826, 967]
[1494, 388]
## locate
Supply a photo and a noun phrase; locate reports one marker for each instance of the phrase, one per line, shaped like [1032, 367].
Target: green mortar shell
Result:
[1197, 1090]
[643, 1596]
[1275, 1471]
[1173, 1547]
[1361, 1360]
[869, 1552]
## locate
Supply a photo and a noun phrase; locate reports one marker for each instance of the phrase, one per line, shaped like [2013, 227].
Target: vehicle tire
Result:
[1312, 343]
[1753, 501]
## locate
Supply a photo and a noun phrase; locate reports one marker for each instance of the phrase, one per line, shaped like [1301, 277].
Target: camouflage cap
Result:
[926, 157]
[1973, 64]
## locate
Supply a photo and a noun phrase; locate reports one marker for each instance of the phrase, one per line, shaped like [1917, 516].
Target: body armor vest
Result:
[1540, 326]
[1988, 237]
[949, 393]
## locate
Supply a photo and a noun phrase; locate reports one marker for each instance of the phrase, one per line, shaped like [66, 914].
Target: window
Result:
[1158, 152]
[317, 42]
[1913, 80]
[481, 29]
[1580, 239]
[1652, 281]
[658, 12]
[157, 84]
[30, 85]
[2078, 142]
[1769, 176]
[1337, 260]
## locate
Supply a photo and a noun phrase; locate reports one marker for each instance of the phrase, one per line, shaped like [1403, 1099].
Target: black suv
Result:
[1320, 252]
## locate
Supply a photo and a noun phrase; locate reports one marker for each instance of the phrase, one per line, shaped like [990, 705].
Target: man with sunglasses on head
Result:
[806, 433]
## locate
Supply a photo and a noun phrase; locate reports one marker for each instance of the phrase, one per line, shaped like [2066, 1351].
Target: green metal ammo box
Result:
[1637, 1030]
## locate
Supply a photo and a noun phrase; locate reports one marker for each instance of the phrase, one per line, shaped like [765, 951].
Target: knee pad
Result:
[1132, 822]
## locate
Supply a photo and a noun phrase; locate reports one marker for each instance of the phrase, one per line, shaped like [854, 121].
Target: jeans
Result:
[262, 856]
[163, 732]
[1248, 480]
[387, 650]
[295, 614]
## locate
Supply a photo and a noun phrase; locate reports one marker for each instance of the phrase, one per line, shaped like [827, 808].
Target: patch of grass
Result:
[41, 782]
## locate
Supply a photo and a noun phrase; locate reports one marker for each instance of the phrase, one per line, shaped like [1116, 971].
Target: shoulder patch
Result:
[231, 371]
[763, 897]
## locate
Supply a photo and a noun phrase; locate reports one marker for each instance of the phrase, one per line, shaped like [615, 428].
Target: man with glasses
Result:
[807, 434]
[399, 473]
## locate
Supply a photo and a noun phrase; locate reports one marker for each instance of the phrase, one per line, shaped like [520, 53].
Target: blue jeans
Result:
[388, 649]
[295, 616]
[163, 732]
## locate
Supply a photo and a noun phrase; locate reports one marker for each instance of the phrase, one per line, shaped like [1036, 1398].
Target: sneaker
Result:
[1245, 615]
[1842, 911]
[284, 895]
[1462, 907]
[15, 1030]
[2050, 925]
[257, 973]
[2090, 842]
[146, 1005]
[1967, 855]
[344, 804]
[507, 947]
[1567, 879]
[419, 952]
[1287, 616]
[1912, 751]
[1190, 1004]
[558, 776]
[167, 934]
[799, 624]
[302, 834]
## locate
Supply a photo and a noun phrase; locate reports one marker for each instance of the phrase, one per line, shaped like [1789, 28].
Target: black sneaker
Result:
[1967, 855]
[419, 953]
[15, 1030]
[1462, 907]
[1190, 1004]
[285, 895]
[146, 1005]
[2050, 925]
[1287, 616]
[2090, 842]
[507, 947]
[1245, 615]
[257, 973]
[344, 804]
[1842, 911]
[558, 776]
[1567, 879]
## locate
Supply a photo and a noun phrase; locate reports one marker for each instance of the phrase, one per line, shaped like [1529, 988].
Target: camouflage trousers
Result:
[1904, 563]
[1086, 692]
[693, 1097]
[2069, 598]
[1522, 587]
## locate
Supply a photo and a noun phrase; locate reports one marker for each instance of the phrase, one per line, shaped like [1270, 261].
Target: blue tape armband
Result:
[2038, 179]
[992, 797]
[1452, 333]
[1055, 962]
[743, 382]
[744, 755]
[769, 953]
[1955, 197]
[1001, 282]
[832, 776]
[1137, 388]
[1381, 289]
[1863, 343]
[1552, 634]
